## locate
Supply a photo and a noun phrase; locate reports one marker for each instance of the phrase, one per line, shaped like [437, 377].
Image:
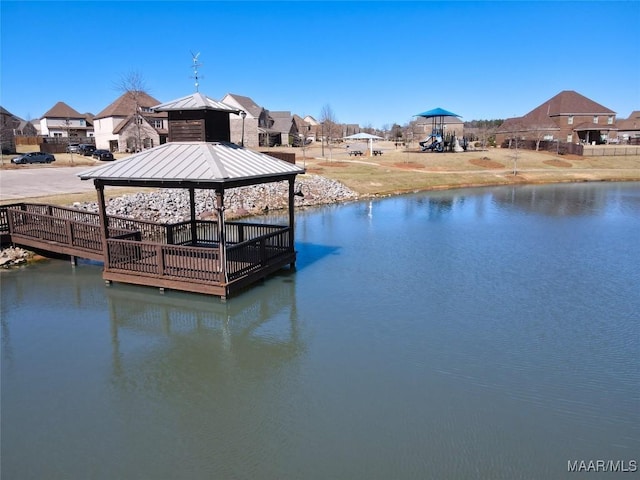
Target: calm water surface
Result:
[486, 333]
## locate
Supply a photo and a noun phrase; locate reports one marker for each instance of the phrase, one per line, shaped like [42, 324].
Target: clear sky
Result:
[372, 62]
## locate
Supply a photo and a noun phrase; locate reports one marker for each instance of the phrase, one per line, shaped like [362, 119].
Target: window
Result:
[570, 120]
[157, 124]
[146, 109]
[569, 138]
[57, 135]
[148, 142]
[610, 120]
[595, 119]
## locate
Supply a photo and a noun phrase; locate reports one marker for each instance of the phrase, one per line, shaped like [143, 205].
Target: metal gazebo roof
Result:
[194, 164]
[195, 101]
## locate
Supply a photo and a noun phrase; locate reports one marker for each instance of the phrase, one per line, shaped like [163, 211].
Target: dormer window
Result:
[610, 120]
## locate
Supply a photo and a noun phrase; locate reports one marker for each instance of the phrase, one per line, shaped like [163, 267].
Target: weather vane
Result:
[195, 66]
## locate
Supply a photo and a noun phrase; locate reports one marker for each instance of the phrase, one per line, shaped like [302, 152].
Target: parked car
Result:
[34, 157]
[73, 148]
[86, 149]
[103, 155]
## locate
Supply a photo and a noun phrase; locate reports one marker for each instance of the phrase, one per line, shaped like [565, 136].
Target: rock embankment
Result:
[172, 205]
[12, 257]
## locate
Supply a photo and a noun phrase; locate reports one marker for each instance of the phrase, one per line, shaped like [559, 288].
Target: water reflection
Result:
[567, 200]
[255, 331]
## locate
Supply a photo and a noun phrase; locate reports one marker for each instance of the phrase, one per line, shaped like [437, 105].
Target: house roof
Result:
[194, 164]
[310, 120]
[569, 102]
[631, 123]
[195, 101]
[584, 126]
[123, 124]
[565, 103]
[247, 104]
[282, 121]
[62, 110]
[125, 105]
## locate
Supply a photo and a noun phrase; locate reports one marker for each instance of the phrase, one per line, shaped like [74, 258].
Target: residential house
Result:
[15, 125]
[130, 124]
[8, 123]
[255, 128]
[26, 129]
[629, 129]
[314, 128]
[305, 130]
[63, 121]
[567, 117]
[287, 128]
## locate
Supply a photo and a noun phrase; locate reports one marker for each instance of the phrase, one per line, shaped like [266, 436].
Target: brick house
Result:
[129, 124]
[629, 129]
[568, 117]
[285, 125]
[257, 125]
[63, 121]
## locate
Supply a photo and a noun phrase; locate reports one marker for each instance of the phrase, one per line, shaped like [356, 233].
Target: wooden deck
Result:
[182, 256]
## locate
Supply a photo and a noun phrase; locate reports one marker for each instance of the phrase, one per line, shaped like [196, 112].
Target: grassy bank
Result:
[406, 170]
[401, 170]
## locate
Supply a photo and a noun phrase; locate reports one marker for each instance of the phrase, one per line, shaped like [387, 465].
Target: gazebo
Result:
[205, 256]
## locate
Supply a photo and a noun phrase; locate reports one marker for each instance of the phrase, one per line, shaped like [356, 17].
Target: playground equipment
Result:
[436, 145]
[436, 141]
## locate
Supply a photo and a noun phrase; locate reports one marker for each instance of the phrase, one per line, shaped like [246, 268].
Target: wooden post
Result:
[192, 208]
[292, 218]
[222, 245]
[104, 221]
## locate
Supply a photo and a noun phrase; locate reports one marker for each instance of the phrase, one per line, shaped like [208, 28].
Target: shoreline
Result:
[397, 171]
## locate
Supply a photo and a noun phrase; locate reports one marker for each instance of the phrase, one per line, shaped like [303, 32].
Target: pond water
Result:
[486, 333]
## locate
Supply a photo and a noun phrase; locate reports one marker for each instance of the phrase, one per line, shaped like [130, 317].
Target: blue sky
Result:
[373, 62]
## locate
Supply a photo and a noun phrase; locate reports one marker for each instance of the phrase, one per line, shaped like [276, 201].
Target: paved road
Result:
[28, 182]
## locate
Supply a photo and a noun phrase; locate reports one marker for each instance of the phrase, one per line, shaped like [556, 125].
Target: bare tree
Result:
[330, 127]
[134, 85]
[540, 132]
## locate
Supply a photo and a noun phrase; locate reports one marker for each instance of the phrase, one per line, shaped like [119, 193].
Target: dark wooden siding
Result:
[199, 126]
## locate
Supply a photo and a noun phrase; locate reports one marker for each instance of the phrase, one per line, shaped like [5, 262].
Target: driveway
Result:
[22, 183]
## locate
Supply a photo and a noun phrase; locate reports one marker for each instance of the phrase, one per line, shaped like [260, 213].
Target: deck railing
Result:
[141, 248]
[63, 231]
[257, 253]
[174, 262]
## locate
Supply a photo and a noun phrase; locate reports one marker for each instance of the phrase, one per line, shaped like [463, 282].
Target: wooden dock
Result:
[181, 256]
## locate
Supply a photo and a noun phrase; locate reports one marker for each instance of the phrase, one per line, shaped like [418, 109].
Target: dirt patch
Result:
[410, 165]
[558, 163]
[486, 162]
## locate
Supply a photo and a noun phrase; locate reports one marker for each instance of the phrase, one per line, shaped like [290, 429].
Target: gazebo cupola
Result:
[198, 118]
